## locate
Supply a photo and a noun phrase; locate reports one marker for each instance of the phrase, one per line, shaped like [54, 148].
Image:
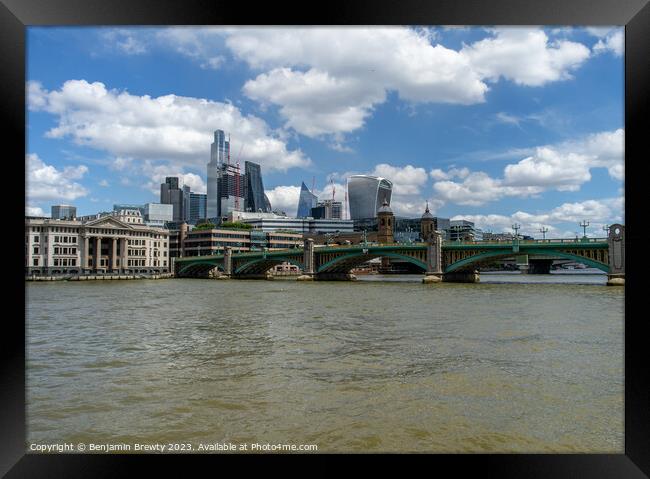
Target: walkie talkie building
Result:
[366, 194]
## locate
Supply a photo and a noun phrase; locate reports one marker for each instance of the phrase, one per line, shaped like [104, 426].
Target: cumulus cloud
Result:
[172, 128]
[45, 182]
[328, 80]
[34, 211]
[284, 198]
[609, 39]
[525, 56]
[407, 180]
[597, 212]
[567, 165]
[564, 167]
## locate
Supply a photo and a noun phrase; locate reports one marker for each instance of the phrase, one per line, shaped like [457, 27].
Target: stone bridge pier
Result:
[308, 272]
[616, 255]
[433, 273]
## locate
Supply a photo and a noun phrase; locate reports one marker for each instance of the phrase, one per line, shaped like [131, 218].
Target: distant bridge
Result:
[438, 260]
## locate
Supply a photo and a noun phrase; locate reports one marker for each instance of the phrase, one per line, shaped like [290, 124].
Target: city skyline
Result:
[525, 126]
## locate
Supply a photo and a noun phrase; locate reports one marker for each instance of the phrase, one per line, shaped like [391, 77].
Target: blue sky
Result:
[495, 125]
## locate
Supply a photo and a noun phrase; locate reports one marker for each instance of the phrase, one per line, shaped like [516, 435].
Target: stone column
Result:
[227, 261]
[123, 251]
[308, 261]
[616, 255]
[434, 259]
[98, 252]
[86, 257]
[114, 254]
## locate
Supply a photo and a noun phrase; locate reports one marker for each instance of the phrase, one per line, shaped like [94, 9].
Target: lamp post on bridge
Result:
[606, 229]
[584, 225]
[516, 227]
[543, 230]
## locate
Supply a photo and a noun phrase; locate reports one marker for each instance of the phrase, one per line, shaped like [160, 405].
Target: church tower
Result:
[385, 224]
[427, 226]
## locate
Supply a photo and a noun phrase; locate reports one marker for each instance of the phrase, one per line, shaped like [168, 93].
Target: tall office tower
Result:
[306, 202]
[219, 154]
[60, 212]
[256, 199]
[367, 194]
[198, 208]
[232, 191]
[171, 194]
[186, 203]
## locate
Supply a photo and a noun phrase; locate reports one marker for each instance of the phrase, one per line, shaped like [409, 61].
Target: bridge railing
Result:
[544, 241]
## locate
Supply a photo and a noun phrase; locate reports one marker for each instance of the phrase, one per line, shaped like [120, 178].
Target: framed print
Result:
[380, 229]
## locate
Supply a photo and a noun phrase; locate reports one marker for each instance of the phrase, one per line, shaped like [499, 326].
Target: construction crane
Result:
[333, 189]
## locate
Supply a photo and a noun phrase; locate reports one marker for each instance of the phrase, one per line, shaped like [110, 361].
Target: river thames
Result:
[516, 363]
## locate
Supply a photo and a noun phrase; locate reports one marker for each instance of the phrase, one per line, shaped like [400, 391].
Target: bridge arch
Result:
[347, 262]
[250, 265]
[542, 252]
[198, 267]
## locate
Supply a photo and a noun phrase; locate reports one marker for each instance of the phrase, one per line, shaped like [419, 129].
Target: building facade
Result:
[60, 212]
[328, 210]
[306, 202]
[219, 154]
[172, 194]
[256, 199]
[201, 242]
[463, 230]
[158, 214]
[231, 190]
[269, 222]
[198, 208]
[366, 195]
[116, 243]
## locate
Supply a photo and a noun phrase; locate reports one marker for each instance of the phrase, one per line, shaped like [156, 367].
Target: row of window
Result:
[65, 239]
[55, 229]
[65, 261]
[58, 250]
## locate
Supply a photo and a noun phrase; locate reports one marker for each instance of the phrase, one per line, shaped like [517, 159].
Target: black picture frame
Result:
[16, 15]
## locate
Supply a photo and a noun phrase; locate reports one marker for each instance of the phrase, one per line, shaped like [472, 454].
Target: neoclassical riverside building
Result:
[117, 243]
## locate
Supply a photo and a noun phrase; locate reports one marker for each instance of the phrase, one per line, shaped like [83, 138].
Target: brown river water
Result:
[385, 364]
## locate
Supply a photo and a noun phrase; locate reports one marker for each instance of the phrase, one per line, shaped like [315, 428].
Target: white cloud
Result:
[525, 56]
[34, 211]
[125, 41]
[438, 174]
[45, 182]
[609, 39]
[172, 128]
[158, 173]
[328, 80]
[479, 188]
[596, 212]
[564, 167]
[567, 165]
[284, 198]
[407, 180]
[104, 183]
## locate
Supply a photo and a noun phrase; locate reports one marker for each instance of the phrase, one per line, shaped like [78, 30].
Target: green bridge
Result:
[439, 260]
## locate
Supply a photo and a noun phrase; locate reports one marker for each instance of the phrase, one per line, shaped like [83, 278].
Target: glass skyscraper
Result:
[64, 211]
[306, 202]
[198, 208]
[366, 195]
[255, 199]
[219, 155]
